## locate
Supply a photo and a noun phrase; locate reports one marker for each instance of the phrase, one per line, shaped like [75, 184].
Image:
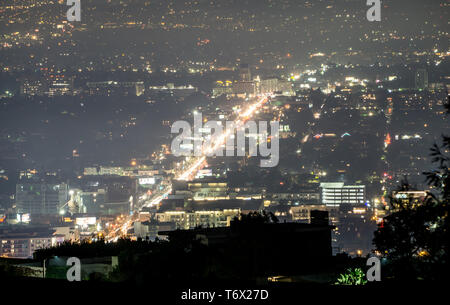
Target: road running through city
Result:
[197, 164]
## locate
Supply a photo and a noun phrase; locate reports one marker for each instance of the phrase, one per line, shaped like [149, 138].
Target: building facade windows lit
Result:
[334, 194]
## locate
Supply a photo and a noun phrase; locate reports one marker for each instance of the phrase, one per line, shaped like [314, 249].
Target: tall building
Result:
[109, 88]
[32, 87]
[411, 198]
[60, 85]
[421, 79]
[245, 88]
[274, 84]
[222, 88]
[265, 246]
[23, 242]
[244, 73]
[90, 201]
[179, 92]
[335, 194]
[208, 190]
[269, 85]
[41, 198]
[204, 213]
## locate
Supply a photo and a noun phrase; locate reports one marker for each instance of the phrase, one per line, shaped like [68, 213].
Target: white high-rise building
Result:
[334, 194]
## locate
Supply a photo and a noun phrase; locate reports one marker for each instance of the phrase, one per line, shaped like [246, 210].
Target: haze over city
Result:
[254, 142]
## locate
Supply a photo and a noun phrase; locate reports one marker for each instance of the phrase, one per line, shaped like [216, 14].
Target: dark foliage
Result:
[415, 236]
[256, 218]
[95, 249]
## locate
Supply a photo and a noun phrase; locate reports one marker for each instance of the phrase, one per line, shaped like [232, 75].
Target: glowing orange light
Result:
[388, 140]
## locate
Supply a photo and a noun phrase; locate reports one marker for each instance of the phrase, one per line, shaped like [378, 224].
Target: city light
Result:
[320, 129]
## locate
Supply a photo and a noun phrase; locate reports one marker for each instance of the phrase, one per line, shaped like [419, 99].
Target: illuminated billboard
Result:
[85, 221]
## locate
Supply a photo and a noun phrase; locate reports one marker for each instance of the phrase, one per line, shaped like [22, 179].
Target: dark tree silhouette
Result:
[415, 236]
[256, 218]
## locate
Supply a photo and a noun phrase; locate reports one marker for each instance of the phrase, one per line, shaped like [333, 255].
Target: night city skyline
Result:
[224, 151]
